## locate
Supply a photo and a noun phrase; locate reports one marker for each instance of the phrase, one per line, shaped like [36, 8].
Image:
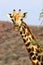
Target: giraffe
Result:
[34, 50]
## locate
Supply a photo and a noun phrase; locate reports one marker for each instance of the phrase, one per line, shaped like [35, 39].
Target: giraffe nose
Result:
[16, 26]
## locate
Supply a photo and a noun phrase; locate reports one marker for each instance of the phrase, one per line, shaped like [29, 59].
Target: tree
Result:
[41, 17]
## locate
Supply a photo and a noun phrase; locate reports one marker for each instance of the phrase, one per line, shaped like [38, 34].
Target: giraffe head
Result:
[17, 18]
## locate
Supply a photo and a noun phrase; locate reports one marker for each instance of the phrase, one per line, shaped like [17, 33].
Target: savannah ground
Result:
[12, 48]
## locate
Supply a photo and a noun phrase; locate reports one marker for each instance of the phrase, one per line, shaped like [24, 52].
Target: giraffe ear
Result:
[25, 14]
[8, 15]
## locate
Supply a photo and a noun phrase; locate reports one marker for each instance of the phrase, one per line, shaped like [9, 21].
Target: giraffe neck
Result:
[33, 50]
[26, 33]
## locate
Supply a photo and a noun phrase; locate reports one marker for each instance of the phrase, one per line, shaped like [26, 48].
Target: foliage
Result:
[41, 16]
[33, 42]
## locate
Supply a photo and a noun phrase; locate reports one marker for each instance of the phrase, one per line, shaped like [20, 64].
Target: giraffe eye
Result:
[21, 19]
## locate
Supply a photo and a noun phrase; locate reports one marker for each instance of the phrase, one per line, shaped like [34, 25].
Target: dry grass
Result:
[12, 50]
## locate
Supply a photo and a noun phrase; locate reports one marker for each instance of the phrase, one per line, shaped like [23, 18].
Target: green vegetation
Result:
[33, 42]
[41, 43]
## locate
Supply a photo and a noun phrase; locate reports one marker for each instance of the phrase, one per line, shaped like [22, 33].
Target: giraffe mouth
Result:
[16, 27]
